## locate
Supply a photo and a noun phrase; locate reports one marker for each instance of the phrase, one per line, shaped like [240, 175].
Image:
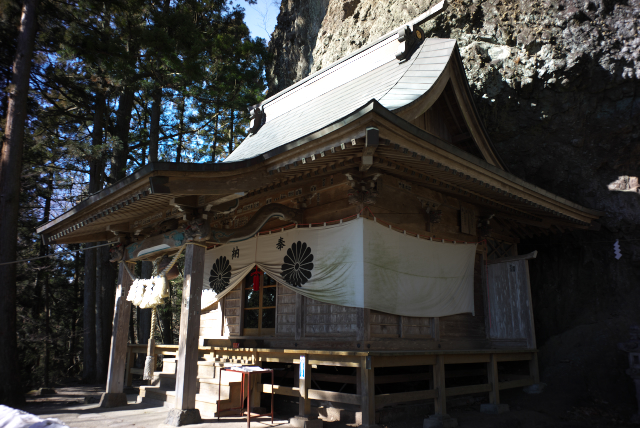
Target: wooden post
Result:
[492, 374]
[494, 407]
[533, 368]
[440, 419]
[114, 395]
[440, 405]
[304, 406]
[367, 393]
[184, 411]
[303, 381]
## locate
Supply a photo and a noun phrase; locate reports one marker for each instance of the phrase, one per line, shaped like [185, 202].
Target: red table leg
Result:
[248, 400]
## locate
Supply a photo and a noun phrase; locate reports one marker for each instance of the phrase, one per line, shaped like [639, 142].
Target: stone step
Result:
[210, 387]
[169, 365]
[206, 369]
[166, 381]
[206, 386]
[204, 402]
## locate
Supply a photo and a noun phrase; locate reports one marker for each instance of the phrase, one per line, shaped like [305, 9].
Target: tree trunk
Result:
[96, 163]
[10, 172]
[167, 315]
[89, 316]
[125, 104]
[180, 129]
[215, 138]
[154, 128]
[74, 318]
[144, 316]
[42, 273]
[93, 329]
[231, 132]
[37, 307]
[47, 332]
[101, 353]
[108, 278]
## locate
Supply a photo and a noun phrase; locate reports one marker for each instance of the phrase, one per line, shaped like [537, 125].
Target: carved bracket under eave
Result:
[363, 191]
[432, 211]
[199, 230]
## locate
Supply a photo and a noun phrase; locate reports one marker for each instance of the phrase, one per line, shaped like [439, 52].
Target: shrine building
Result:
[362, 241]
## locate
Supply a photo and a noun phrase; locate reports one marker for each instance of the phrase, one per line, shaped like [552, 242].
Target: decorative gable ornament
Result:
[258, 118]
[408, 40]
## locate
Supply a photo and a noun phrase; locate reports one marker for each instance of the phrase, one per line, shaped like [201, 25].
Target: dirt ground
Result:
[77, 407]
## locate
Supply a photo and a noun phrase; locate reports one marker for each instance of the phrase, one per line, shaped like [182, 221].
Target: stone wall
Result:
[557, 84]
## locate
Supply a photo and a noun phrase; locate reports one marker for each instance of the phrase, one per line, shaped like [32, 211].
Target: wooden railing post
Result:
[114, 395]
[184, 411]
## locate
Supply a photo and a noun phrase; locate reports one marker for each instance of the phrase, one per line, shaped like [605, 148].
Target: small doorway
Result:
[259, 306]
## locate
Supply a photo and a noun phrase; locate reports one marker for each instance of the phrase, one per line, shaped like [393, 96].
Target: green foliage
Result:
[208, 70]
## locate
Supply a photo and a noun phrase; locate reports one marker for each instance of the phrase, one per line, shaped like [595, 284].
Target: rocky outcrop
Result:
[293, 40]
[557, 83]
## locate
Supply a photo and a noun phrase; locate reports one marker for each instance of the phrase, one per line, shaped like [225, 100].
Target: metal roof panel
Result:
[374, 73]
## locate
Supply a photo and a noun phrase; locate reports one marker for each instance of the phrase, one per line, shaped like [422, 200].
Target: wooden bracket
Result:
[372, 140]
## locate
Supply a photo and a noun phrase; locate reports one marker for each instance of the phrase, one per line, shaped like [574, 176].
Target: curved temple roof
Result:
[370, 82]
[334, 92]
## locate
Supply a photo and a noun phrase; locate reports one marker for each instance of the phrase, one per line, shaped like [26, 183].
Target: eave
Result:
[411, 152]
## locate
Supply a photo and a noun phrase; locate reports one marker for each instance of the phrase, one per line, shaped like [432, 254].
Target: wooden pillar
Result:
[367, 393]
[184, 411]
[533, 368]
[440, 404]
[304, 405]
[492, 374]
[114, 395]
[440, 419]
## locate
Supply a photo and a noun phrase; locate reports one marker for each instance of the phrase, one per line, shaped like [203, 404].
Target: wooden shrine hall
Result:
[363, 240]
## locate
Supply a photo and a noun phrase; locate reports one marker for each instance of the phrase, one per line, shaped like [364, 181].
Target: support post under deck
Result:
[367, 393]
[494, 407]
[440, 418]
[305, 419]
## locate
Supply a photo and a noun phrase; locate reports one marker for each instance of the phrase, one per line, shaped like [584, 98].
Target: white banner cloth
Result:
[359, 263]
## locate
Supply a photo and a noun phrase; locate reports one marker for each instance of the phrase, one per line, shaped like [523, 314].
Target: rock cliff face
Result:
[557, 83]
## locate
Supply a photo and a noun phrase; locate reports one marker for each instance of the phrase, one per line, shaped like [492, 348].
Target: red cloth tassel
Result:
[256, 279]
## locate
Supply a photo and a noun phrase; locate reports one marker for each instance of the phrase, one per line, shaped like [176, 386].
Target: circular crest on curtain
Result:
[298, 265]
[220, 274]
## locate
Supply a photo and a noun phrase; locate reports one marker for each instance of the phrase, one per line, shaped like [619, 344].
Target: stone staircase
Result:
[162, 388]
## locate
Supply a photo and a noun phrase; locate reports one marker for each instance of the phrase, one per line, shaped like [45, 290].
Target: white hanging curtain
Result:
[359, 263]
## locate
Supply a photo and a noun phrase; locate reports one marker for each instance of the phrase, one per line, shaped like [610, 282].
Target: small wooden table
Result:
[246, 371]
